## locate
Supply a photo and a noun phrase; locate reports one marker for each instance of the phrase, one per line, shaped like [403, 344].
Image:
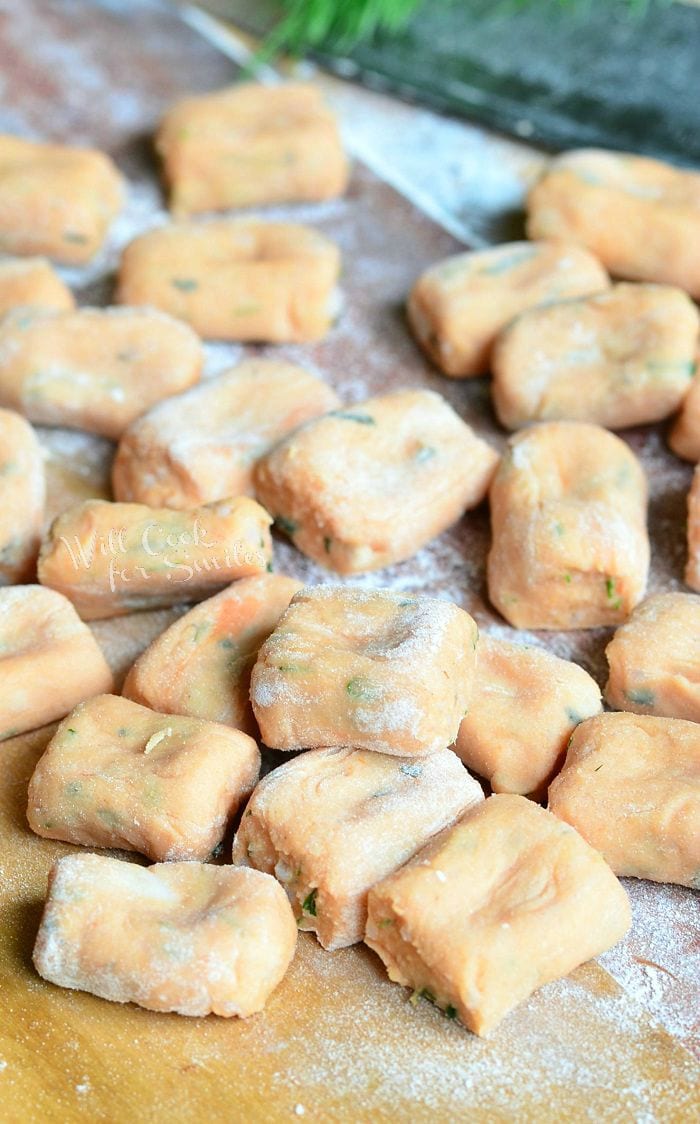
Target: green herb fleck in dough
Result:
[616, 602]
[292, 667]
[559, 529]
[199, 631]
[327, 543]
[451, 1011]
[184, 284]
[411, 770]
[269, 568]
[573, 716]
[226, 643]
[363, 689]
[309, 903]
[110, 818]
[287, 526]
[475, 638]
[567, 579]
[75, 236]
[70, 730]
[425, 994]
[424, 453]
[246, 309]
[386, 922]
[642, 696]
[349, 415]
[73, 788]
[122, 732]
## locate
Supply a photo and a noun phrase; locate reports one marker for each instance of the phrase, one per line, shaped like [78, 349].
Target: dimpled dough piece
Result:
[187, 937]
[525, 706]
[333, 822]
[236, 279]
[371, 669]
[684, 437]
[570, 546]
[370, 484]
[641, 217]
[56, 200]
[654, 659]
[692, 568]
[621, 358]
[631, 786]
[503, 902]
[201, 664]
[49, 659]
[32, 282]
[115, 558]
[249, 145]
[457, 307]
[94, 368]
[116, 774]
[22, 497]
[202, 445]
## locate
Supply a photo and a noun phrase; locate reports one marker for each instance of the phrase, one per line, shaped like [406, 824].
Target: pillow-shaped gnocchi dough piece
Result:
[49, 659]
[236, 279]
[250, 145]
[684, 437]
[114, 558]
[641, 217]
[22, 498]
[525, 705]
[202, 445]
[201, 664]
[375, 670]
[189, 937]
[631, 786]
[56, 200]
[333, 822]
[95, 368]
[34, 283]
[370, 484]
[116, 774]
[654, 659]
[503, 902]
[570, 546]
[457, 307]
[692, 567]
[621, 358]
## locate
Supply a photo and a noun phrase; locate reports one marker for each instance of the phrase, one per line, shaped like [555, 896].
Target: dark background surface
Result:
[563, 75]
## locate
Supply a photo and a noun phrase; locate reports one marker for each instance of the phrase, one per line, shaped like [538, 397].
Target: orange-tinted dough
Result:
[186, 937]
[525, 706]
[639, 216]
[333, 822]
[457, 307]
[370, 484]
[202, 445]
[116, 774]
[376, 670]
[94, 368]
[503, 902]
[49, 660]
[692, 566]
[33, 282]
[684, 437]
[621, 358]
[236, 279]
[22, 497]
[249, 145]
[568, 512]
[631, 786]
[654, 659]
[56, 200]
[114, 558]
[201, 665]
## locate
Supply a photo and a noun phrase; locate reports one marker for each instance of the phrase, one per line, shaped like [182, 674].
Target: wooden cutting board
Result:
[337, 1042]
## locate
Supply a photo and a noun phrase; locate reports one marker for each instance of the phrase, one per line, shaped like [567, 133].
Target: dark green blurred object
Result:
[561, 75]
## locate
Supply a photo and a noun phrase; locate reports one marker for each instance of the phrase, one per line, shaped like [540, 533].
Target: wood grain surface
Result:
[337, 1042]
